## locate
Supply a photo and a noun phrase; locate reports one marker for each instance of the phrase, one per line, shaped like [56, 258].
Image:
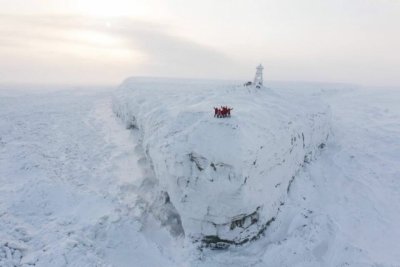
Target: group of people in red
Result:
[222, 112]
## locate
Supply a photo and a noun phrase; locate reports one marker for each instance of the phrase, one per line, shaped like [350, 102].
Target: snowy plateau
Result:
[223, 179]
[301, 174]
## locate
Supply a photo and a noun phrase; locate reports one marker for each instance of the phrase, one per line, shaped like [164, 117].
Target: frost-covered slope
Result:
[67, 169]
[226, 178]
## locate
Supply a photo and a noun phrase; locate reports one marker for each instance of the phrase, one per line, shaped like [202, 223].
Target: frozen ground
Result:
[225, 178]
[70, 195]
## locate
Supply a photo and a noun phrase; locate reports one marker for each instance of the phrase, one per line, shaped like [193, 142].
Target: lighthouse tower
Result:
[258, 79]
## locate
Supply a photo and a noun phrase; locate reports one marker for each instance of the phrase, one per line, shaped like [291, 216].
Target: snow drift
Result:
[221, 179]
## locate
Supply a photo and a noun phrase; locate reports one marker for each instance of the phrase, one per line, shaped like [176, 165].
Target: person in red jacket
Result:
[216, 111]
[223, 112]
[228, 110]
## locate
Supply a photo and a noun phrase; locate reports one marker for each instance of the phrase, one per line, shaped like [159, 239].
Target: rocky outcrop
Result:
[226, 178]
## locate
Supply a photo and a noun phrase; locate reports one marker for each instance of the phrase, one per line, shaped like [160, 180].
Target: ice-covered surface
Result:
[68, 174]
[70, 179]
[226, 177]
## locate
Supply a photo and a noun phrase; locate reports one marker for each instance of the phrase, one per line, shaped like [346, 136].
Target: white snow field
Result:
[79, 189]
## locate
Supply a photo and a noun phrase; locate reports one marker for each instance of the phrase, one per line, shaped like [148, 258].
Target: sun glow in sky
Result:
[105, 8]
[57, 41]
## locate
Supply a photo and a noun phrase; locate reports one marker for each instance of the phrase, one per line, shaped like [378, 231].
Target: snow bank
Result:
[226, 178]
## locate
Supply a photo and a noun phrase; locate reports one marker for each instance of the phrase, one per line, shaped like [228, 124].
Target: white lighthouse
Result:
[258, 79]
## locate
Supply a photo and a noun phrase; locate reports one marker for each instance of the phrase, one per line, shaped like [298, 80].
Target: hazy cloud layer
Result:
[331, 41]
[80, 49]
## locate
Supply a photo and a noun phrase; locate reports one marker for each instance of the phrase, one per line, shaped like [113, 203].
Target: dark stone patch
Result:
[197, 161]
[215, 242]
[290, 184]
[213, 166]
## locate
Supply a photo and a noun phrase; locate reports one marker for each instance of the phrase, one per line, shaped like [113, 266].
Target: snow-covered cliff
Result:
[225, 177]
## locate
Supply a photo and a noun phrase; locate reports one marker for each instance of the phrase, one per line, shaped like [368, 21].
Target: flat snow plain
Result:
[70, 175]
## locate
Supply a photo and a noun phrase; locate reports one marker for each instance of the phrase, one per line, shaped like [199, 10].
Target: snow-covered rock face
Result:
[226, 177]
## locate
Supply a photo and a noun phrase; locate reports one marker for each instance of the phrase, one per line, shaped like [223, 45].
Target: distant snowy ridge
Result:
[221, 179]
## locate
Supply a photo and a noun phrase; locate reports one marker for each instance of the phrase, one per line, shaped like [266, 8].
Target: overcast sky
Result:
[103, 42]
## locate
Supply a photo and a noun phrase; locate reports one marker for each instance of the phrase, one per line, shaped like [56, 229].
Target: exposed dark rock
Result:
[166, 213]
[213, 166]
[199, 161]
[215, 242]
[131, 127]
[307, 158]
[244, 221]
[131, 124]
[290, 184]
